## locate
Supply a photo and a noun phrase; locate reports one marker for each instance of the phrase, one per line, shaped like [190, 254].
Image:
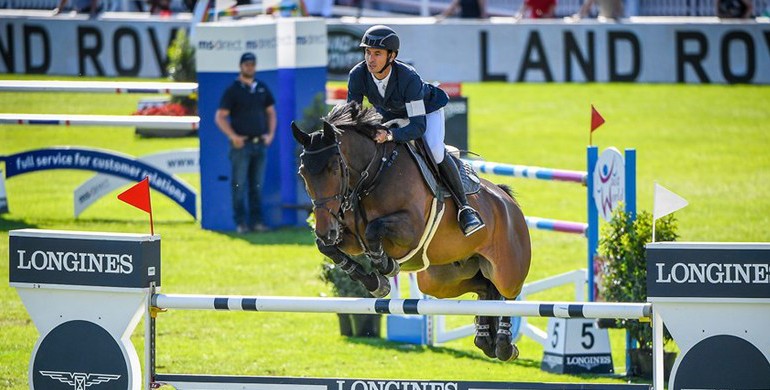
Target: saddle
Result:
[468, 176]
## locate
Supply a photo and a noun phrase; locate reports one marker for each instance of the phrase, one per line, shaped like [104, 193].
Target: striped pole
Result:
[118, 87]
[404, 306]
[146, 121]
[557, 225]
[529, 172]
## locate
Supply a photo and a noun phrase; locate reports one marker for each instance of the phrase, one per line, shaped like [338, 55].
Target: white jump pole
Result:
[404, 306]
[148, 121]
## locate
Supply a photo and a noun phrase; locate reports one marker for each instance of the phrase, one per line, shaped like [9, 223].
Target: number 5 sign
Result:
[576, 346]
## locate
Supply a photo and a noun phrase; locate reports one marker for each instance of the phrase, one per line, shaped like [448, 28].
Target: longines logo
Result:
[713, 273]
[75, 262]
[79, 380]
[588, 362]
[394, 385]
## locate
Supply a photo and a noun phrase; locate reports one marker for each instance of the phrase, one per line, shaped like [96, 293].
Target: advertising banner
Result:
[291, 61]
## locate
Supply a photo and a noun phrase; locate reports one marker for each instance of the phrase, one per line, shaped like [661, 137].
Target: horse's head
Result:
[323, 170]
[329, 157]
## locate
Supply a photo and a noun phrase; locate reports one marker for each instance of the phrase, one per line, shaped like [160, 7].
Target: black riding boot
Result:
[469, 219]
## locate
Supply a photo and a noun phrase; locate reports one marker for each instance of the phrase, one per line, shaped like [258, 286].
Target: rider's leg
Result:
[469, 219]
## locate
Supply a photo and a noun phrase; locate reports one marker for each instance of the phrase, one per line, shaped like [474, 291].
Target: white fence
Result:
[108, 5]
[423, 7]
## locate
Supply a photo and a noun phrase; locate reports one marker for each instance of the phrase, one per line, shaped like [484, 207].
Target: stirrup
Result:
[473, 229]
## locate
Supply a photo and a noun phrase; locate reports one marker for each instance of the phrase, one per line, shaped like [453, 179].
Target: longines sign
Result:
[53, 257]
[723, 271]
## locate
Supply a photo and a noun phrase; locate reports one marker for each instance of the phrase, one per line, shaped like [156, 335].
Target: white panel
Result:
[219, 45]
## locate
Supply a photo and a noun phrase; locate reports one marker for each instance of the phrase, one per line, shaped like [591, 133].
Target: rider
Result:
[398, 92]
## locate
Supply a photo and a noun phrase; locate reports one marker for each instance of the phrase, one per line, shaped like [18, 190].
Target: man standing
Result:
[246, 115]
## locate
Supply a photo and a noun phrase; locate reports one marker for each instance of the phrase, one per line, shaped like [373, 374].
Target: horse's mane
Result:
[352, 115]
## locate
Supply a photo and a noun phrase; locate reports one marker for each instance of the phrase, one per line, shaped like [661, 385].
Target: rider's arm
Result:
[356, 85]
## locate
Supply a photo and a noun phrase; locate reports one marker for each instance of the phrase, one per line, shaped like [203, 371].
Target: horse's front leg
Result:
[394, 228]
[378, 285]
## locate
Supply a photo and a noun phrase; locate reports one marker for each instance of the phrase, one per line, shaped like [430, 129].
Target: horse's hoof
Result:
[485, 344]
[383, 287]
[506, 352]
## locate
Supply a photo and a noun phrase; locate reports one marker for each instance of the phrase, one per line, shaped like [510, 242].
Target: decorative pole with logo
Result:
[85, 292]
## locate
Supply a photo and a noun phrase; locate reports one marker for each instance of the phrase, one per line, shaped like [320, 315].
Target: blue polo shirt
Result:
[247, 104]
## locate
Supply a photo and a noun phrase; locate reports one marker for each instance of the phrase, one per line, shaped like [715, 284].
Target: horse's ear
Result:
[299, 135]
[328, 131]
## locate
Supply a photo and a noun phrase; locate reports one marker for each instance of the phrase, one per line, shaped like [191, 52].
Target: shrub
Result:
[622, 250]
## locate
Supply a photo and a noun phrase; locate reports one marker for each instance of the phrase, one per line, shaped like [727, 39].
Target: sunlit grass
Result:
[707, 143]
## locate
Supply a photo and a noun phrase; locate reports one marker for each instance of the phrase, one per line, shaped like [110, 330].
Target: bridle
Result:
[344, 191]
[351, 196]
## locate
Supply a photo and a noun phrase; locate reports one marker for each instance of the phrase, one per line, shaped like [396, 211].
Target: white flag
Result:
[666, 202]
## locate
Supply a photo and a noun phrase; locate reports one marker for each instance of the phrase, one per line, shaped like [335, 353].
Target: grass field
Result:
[707, 143]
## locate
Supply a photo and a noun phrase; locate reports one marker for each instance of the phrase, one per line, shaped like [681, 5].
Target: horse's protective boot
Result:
[469, 219]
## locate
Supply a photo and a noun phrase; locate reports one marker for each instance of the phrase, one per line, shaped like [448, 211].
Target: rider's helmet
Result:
[380, 37]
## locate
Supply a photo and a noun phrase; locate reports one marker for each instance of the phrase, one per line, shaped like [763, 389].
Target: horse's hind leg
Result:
[497, 341]
[486, 327]
[505, 349]
[378, 285]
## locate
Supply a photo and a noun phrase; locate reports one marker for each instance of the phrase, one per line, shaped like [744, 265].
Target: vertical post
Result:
[592, 233]
[630, 173]
[630, 164]
[657, 351]
[149, 341]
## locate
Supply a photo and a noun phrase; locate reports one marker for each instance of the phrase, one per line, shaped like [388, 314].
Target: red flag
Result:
[139, 196]
[596, 119]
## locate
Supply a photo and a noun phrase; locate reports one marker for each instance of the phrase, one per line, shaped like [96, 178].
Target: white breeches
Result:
[434, 134]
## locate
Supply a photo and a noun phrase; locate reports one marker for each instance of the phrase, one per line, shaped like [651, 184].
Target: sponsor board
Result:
[576, 346]
[700, 51]
[284, 383]
[54, 257]
[107, 162]
[719, 271]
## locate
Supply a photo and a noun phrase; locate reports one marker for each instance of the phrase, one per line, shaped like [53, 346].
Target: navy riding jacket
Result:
[406, 96]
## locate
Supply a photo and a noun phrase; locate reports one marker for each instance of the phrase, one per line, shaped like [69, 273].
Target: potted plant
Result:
[358, 325]
[624, 278]
[180, 68]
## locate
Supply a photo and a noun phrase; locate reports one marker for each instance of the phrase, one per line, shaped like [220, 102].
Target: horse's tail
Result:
[508, 190]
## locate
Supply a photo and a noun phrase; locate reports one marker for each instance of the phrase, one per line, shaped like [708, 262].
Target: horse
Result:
[370, 198]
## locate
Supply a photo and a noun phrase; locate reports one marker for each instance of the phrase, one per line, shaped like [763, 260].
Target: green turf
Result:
[707, 143]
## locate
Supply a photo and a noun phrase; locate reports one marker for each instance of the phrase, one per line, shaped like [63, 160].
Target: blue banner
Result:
[103, 161]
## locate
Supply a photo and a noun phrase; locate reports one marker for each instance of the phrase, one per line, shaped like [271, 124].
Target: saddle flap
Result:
[468, 176]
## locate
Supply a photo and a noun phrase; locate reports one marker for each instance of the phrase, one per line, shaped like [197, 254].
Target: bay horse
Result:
[370, 198]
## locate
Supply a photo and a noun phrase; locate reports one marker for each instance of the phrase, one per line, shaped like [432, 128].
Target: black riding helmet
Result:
[380, 37]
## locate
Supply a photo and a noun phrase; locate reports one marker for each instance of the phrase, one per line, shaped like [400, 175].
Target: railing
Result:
[107, 5]
[432, 7]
